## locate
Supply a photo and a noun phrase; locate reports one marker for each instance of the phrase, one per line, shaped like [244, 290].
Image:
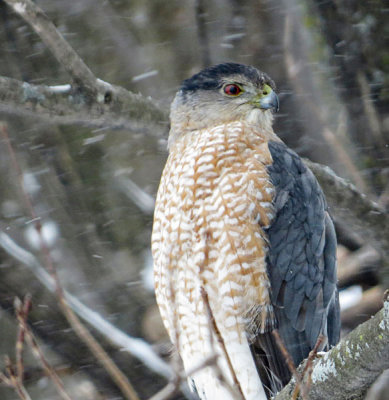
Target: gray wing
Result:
[301, 264]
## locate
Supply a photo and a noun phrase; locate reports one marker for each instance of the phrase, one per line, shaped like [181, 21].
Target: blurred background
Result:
[94, 189]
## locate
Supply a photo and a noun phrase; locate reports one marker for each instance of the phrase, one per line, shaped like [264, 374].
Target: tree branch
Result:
[65, 104]
[52, 38]
[89, 100]
[348, 370]
[135, 346]
[353, 207]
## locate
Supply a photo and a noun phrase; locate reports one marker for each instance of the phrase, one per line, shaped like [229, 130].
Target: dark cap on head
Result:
[211, 77]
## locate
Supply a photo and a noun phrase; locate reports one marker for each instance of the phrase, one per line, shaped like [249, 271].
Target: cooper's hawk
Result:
[242, 241]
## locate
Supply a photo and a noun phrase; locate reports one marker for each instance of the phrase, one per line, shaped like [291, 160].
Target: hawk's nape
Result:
[242, 240]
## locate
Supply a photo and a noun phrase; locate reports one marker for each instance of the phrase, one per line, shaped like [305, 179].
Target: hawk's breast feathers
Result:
[214, 202]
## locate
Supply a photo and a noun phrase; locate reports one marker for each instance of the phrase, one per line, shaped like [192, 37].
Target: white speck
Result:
[350, 296]
[94, 139]
[103, 82]
[30, 183]
[146, 75]
[235, 36]
[252, 207]
[49, 234]
[20, 8]
[60, 88]
[382, 325]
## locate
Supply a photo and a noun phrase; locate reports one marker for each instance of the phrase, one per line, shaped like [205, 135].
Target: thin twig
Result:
[363, 353]
[81, 331]
[13, 381]
[313, 353]
[20, 340]
[137, 347]
[4, 379]
[21, 314]
[290, 364]
[307, 371]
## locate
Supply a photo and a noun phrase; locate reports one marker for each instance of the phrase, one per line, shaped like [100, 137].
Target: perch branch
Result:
[349, 369]
[66, 105]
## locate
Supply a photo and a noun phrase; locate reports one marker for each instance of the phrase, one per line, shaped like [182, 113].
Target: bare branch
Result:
[116, 107]
[21, 314]
[12, 379]
[349, 369]
[356, 263]
[135, 346]
[379, 389]
[89, 101]
[368, 305]
[144, 201]
[60, 48]
[353, 207]
[81, 330]
[290, 364]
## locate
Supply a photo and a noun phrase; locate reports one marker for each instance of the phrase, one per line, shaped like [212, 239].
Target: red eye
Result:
[232, 90]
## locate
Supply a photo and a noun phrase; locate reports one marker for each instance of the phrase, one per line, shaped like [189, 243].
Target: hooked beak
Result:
[270, 101]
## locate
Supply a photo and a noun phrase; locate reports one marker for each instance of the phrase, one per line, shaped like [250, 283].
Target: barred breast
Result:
[214, 200]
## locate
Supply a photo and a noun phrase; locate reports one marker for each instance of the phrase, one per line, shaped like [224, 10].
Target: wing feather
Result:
[301, 264]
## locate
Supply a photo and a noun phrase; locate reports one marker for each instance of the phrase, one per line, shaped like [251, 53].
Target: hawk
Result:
[242, 241]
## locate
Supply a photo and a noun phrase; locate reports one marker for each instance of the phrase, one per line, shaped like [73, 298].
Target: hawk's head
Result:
[220, 94]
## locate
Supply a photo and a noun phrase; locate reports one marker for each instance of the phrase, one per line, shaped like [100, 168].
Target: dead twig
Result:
[308, 369]
[135, 346]
[21, 310]
[13, 378]
[291, 366]
[349, 368]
